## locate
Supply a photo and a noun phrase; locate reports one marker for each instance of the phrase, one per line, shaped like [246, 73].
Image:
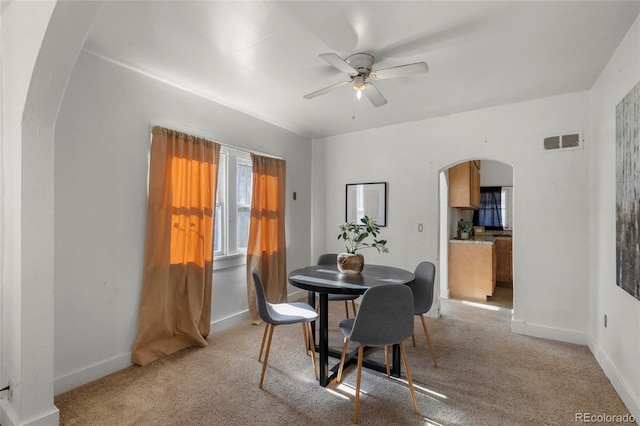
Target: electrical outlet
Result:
[10, 391]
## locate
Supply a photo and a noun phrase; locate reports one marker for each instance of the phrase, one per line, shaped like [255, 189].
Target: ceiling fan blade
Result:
[326, 89]
[399, 71]
[374, 95]
[338, 62]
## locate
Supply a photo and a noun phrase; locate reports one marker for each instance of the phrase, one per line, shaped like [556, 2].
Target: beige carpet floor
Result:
[486, 376]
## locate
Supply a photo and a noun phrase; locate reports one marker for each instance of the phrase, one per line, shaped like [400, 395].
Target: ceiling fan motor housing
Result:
[361, 62]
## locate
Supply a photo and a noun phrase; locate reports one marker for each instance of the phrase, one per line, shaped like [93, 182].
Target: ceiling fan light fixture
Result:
[359, 83]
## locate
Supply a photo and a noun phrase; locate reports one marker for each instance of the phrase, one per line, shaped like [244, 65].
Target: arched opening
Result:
[45, 61]
[476, 195]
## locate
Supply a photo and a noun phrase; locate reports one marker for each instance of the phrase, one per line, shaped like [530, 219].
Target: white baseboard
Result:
[8, 417]
[93, 372]
[90, 373]
[545, 332]
[617, 380]
[230, 321]
[297, 294]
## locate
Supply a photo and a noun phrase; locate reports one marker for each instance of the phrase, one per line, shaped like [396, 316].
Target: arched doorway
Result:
[41, 65]
[486, 258]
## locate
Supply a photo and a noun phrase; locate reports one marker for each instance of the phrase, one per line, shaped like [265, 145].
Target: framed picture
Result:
[367, 199]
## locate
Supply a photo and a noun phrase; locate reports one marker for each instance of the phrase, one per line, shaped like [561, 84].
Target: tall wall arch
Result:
[41, 64]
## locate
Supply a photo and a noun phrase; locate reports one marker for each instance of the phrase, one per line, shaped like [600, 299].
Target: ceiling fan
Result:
[359, 66]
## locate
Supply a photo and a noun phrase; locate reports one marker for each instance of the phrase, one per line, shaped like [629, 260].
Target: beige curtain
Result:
[266, 248]
[175, 305]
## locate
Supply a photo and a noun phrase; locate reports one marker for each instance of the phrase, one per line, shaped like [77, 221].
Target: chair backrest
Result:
[261, 298]
[328, 259]
[422, 287]
[385, 316]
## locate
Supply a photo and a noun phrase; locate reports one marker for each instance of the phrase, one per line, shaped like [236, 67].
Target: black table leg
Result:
[311, 300]
[323, 363]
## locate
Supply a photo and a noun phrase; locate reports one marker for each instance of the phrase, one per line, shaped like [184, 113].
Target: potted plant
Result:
[357, 237]
[465, 229]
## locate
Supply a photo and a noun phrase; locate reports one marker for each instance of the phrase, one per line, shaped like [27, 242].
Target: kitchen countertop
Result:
[481, 239]
[475, 240]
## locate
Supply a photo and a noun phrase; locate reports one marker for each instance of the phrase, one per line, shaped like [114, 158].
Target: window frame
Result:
[506, 208]
[229, 254]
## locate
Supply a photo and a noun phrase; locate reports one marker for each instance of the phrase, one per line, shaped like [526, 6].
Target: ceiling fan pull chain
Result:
[353, 103]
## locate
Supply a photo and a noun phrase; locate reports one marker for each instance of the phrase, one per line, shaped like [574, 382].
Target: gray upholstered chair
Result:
[331, 259]
[422, 289]
[385, 318]
[274, 314]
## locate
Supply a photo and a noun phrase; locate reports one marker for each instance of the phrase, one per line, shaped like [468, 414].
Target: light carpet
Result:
[487, 375]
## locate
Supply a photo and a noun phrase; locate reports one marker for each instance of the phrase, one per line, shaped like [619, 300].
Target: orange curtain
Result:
[266, 248]
[175, 305]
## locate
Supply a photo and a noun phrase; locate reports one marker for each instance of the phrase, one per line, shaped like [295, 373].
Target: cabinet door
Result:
[472, 270]
[464, 185]
[503, 253]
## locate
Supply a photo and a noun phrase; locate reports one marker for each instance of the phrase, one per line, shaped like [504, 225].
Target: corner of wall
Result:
[617, 380]
[8, 417]
[553, 333]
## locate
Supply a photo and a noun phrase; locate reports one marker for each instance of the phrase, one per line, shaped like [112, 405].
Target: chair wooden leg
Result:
[264, 338]
[406, 366]
[346, 308]
[342, 357]
[357, 404]
[266, 354]
[353, 305]
[313, 350]
[386, 360]
[413, 339]
[426, 333]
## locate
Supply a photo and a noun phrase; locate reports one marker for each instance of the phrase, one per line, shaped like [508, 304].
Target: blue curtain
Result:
[489, 213]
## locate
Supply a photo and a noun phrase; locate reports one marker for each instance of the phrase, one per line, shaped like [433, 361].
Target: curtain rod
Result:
[246, 151]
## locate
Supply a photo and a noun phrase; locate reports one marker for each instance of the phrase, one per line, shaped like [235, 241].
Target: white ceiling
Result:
[262, 57]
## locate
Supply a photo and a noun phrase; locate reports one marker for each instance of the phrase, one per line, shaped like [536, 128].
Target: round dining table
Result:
[326, 279]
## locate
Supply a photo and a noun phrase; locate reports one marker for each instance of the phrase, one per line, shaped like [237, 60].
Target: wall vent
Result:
[562, 142]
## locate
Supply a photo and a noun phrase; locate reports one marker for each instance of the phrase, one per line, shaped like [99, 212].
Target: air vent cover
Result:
[562, 142]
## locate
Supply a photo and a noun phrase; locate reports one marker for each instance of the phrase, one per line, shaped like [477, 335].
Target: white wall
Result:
[495, 173]
[551, 298]
[101, 153]
[616, 347]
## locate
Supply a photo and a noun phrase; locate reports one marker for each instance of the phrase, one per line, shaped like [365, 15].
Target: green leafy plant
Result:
[466, 227]
[356, 235]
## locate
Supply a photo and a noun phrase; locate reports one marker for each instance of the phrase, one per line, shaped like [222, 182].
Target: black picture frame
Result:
[366, 199]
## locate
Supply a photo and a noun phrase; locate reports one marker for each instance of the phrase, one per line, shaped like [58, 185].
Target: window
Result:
[495, 210]
[233, 206]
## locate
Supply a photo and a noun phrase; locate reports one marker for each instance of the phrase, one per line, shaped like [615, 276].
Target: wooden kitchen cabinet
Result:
[464, 185]
[504, 256]
[472, 270]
